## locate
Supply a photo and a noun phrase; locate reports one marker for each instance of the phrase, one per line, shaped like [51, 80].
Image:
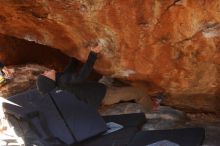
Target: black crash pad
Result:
[183, 137]
[131, 122]
[132, 136]
[117, 138]
[59, 112]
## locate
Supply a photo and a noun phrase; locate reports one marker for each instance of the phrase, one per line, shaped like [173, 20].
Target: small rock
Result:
[122, 108]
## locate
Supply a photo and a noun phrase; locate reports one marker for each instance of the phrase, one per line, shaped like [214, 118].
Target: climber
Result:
[91, 92]
[75, 82]
[5, 74]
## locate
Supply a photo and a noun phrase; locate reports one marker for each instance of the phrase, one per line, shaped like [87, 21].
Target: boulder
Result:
[169, 46]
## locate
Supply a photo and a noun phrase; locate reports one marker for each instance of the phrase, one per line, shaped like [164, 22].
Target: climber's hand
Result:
[96, 49]
[51, 74]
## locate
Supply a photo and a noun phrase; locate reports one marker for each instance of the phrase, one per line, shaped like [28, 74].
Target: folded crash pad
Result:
[58, 114]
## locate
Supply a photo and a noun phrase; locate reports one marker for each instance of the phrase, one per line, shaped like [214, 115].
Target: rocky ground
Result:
[164, 118]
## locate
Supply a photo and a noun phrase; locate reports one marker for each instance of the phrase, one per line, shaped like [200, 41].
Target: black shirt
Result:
[75, 82]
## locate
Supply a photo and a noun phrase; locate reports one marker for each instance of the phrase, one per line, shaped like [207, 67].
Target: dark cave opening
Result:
[16, 51]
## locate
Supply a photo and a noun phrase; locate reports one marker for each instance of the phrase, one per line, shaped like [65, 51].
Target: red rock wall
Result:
[173, 45]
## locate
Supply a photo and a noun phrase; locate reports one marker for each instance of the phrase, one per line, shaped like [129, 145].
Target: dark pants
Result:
[90, 92]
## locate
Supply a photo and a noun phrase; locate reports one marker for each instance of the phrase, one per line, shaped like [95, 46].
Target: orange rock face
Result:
[172, 45]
